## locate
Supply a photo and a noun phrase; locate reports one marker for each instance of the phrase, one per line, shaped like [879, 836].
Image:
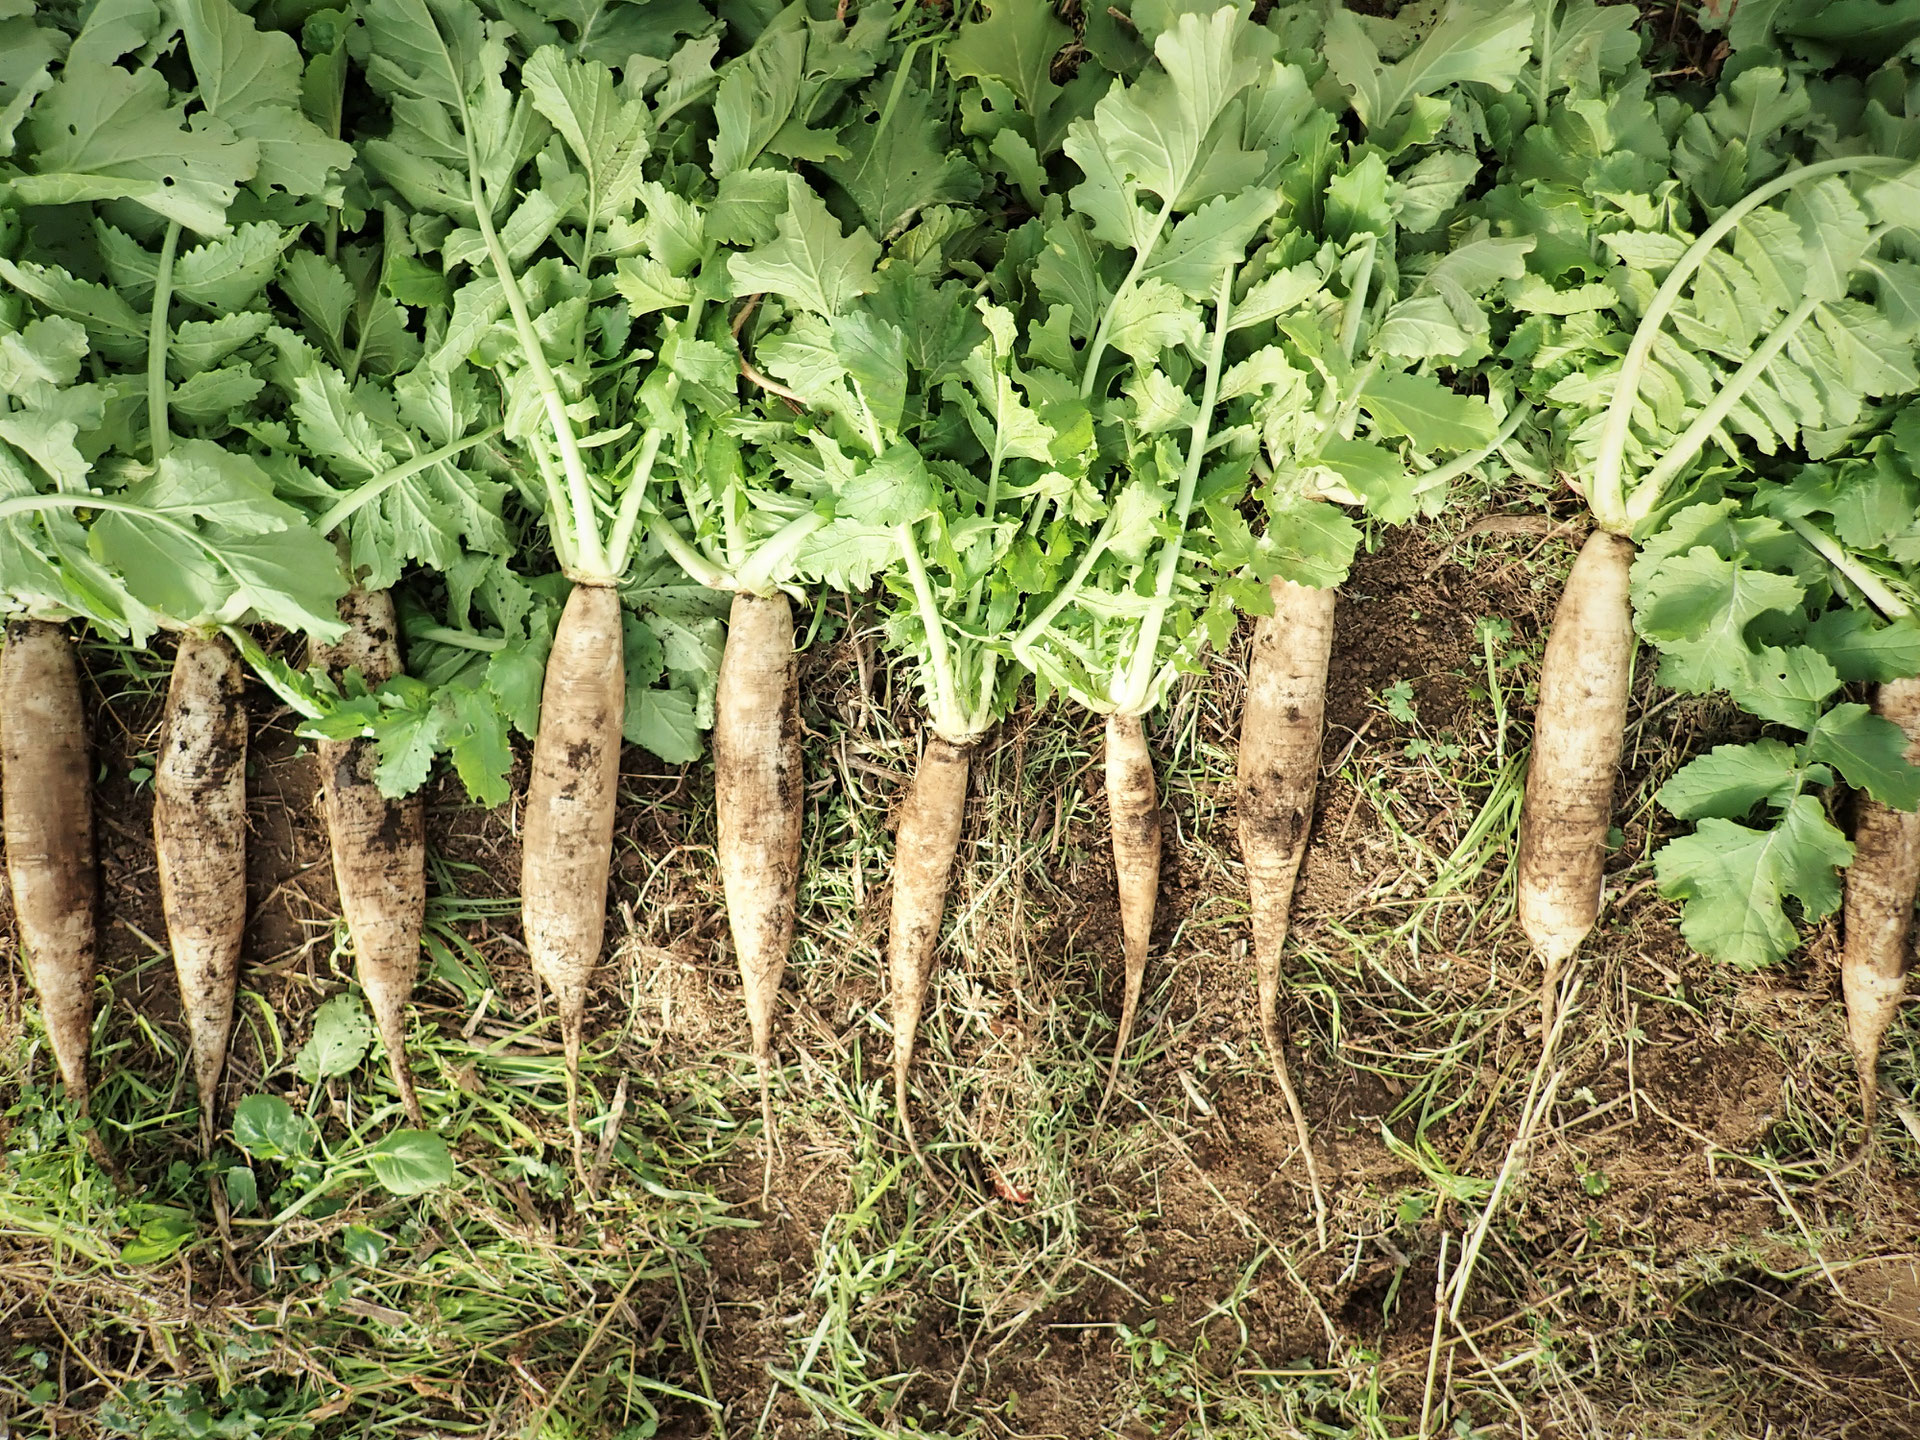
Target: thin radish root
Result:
[1579, 727]
[1541, 1091]
[567, 841]
[1881, 885]
[49, 832]
[379, 845]
[923, 851]
[760, 794]
[200, 845]
[1133, 807]
[1280, 734]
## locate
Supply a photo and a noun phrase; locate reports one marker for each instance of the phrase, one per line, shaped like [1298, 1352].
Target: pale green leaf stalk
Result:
[1623, 506]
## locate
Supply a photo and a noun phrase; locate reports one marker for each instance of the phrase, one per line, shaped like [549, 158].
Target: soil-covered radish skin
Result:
[200, 848]
[568, 830]
[379, 845]
[1878, 918]
[48, 797]
[760, 793]
[1280, 735]
[1279, 766]
[924, 845]
[1579, 727]
[1133, 810]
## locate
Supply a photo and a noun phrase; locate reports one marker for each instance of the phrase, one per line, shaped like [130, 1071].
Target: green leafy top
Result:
[597, 243]
[1221, 298]
[187, 533]
[1700, 279]
[592, 223]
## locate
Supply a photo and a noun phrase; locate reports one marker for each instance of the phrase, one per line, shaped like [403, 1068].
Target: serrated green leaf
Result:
[1150, 317]
[342, 1035]
[874, 355]
[1483, 41]
[266, 1127]
[608, 135]
[662, 722]
[213, 396]
[1729, 780]
[104, 133]
[1016, 43]
[1735, 882]
[1433, 417]
[1860, 650]
[1700, 596]
[1423, 195]
[1786, 685]
[481, 745]
[811, 263]
[1357, 200]
[1833, 236]
[1869, 751]
[898, 156]
[249, 79]
[200, 345]
[895, 489]
[408, 737]
[1421, 328]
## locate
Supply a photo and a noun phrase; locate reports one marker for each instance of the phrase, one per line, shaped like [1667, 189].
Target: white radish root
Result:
[1279, 769]
[200, 846]
[1881, 886]
[48, 796]
[567, 837]
[1579, 728]
[923, 851]
[379, 845]
[760, 795]
[1133, 808]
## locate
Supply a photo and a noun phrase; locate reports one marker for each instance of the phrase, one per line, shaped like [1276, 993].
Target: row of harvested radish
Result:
[1068, 431]
[200, 843]
[378, 845]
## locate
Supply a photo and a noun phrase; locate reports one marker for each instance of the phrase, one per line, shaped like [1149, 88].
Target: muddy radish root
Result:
[923, 851]
[1133, 809]
[49, 834]
[1280, 732]
[1881, 885]
[759, 792]
[1579, 727]
[200, 846]
[567, 840]
[379, 845]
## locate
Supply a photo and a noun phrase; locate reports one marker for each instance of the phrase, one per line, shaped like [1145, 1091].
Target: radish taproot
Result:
[48, 798]
[200, 848]
[924, 845]
[1133, 812]
[378, 844]
[1878, 919]
[567, 842]
[759, 792]
[1579, 723]
[1281, 725]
